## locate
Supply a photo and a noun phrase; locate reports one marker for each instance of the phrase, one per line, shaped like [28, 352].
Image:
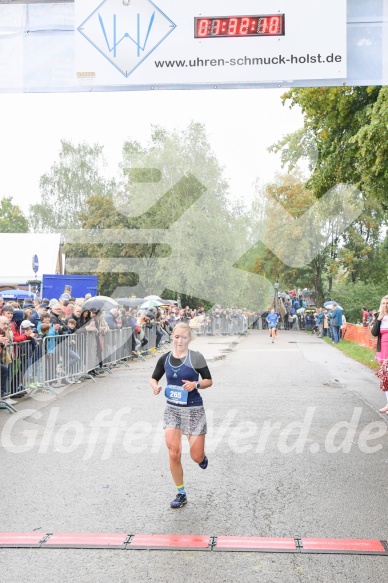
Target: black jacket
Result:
[54, 319]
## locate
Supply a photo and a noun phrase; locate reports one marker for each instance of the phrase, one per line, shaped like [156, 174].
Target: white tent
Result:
[18, 250]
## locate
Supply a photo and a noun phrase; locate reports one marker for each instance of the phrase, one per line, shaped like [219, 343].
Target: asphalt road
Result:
[292, 452]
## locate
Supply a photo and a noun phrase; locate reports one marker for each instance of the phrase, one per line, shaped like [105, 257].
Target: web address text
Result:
[252, 61]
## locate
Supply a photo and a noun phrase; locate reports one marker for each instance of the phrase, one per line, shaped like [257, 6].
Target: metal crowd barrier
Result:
[147, 338]
[62, 358]
[219, 326]
[23, 364]
[116, 347]
[46, 363]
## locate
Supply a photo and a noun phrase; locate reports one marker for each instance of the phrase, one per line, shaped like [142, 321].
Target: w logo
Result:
[126, 34]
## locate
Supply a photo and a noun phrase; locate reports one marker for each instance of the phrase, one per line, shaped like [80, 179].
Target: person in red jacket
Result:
[15, 318]
[22, 331]
[364, 316]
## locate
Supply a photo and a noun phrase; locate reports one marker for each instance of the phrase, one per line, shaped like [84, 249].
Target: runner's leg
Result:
[174, 445]
[197, 447]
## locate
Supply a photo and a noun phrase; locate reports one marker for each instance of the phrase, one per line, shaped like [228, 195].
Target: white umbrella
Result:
[330, 304]
[153, 298]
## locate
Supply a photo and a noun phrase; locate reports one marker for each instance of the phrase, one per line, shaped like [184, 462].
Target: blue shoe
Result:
[204, 463]
[179, 501]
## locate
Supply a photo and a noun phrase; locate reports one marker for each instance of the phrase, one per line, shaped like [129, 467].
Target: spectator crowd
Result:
[40, 339]
[43, 341]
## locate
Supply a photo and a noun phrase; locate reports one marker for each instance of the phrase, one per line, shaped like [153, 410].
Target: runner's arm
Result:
[157, 375]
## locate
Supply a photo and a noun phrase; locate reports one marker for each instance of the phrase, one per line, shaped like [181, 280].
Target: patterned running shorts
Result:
[191, 420]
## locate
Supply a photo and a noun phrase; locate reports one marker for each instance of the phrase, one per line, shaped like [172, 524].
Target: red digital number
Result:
[244, 25]
[274, 25]
[238, 26]
[232, 28]
[262, 27]
[203, 27]
[216, 26]
[269, 25]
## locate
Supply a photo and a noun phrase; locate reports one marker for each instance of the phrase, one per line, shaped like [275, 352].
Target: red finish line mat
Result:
[335, 545]
[86, 541]
[183, 542]
[170, 542]
[21, 539]
[253, 543]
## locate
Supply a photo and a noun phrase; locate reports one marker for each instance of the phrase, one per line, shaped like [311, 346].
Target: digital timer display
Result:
[238, 26]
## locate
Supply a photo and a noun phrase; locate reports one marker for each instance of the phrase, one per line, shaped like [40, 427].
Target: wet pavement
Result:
[296, 448]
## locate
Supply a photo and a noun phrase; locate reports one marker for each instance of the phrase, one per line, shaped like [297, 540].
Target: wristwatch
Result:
[198, 386]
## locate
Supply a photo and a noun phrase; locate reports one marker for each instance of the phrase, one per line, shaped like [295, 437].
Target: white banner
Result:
[187, 42]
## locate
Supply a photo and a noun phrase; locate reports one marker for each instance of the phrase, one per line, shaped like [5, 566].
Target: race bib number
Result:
[176, 394]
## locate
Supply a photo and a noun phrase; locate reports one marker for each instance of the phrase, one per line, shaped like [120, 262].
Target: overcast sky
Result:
[241, 125]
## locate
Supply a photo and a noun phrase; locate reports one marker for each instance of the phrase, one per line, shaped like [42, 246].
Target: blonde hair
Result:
[381, 303]
[190, 331]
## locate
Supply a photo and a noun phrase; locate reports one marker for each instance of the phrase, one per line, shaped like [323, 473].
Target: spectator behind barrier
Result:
[15, 317]
[45, 319]
[136, 344]
[76, 314]
[73, 357]
[111, 318]
[25, 355]
[84, 319]
[36, 316]
[56, 318]
[5, 352]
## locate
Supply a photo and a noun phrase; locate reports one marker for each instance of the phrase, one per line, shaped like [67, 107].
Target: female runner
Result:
[184, 412]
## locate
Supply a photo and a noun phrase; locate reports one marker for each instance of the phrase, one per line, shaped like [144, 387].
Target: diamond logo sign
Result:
[126, 32]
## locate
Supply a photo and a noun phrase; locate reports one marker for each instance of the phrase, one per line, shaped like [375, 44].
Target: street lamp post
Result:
[275, 302]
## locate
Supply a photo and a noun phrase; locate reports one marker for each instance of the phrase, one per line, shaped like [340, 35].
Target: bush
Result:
[352, 296]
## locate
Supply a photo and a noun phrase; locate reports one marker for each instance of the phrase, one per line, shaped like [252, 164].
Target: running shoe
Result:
[204, 463]
[179, 501]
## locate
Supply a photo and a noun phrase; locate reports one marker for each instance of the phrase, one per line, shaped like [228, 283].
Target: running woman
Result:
[184, 413]
[272, 320]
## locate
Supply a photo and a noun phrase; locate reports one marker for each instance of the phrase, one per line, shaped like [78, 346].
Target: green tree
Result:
[360, 256]
[302, 237]
[186, 197]
[344, 140]
[170, 222]
[352, 296]
[105, 255]
[372, 143]
[290, 192]
[12, 219]
[336, 121]
[67, 187]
